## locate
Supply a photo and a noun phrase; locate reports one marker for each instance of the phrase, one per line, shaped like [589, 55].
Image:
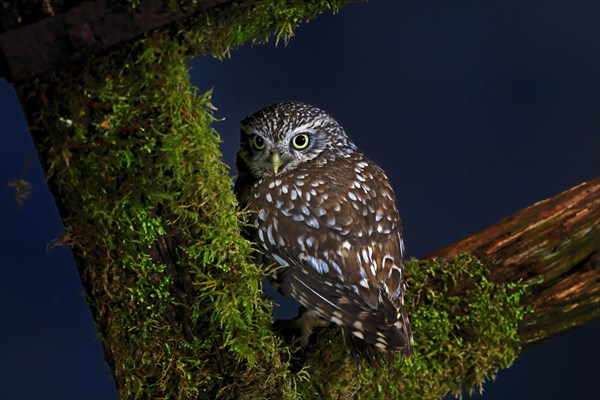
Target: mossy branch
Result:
[554, 247]
[133, 162]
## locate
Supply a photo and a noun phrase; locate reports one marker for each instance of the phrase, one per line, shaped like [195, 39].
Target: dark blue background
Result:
[475, 110]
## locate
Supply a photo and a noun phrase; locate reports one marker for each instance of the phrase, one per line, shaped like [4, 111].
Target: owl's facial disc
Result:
[281, 137]
[270, 152]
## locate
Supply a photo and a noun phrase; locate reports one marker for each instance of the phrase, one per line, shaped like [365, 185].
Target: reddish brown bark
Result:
[553, 245]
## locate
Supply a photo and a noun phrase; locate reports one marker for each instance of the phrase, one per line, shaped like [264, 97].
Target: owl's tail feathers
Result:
[396, 328]
[383, 334]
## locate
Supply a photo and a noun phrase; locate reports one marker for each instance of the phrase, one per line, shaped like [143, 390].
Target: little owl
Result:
[327, 215]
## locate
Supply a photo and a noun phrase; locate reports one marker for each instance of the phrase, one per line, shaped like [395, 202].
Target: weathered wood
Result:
[89, 28]
[553, 245]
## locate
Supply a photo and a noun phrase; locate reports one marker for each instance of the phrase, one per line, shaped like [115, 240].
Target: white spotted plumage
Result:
[327, 214]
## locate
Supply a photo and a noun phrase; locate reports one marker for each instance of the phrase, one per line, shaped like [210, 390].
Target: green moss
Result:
[134, 160]
[134, 164]
[222, 29]
[464, 326]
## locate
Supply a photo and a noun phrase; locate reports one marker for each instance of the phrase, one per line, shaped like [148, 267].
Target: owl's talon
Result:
[307, 322]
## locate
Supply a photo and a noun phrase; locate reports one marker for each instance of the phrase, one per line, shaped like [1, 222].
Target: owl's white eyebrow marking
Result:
[304, 128]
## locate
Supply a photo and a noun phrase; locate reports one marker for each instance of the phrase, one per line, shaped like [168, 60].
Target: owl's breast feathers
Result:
[335, 228]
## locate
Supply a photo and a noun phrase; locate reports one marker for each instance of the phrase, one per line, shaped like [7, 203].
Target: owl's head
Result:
[280, 137]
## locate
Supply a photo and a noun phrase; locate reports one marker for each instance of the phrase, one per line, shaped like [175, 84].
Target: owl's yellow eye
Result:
[257, 142]
[301, 141]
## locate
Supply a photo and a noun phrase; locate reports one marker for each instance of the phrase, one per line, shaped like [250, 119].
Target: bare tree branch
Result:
[89, 28]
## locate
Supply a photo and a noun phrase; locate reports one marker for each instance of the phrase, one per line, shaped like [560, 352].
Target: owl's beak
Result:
[275, 162]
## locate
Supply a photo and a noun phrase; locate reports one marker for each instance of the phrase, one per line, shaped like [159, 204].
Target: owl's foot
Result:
[307, 322]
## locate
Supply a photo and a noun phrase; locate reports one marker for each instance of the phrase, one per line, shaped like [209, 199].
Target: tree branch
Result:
[554, 246]
[88, 28]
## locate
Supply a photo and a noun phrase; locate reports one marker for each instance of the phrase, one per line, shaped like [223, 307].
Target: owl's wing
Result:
[339, 237]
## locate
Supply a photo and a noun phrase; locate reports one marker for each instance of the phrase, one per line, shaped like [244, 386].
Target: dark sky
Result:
[475, 110]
